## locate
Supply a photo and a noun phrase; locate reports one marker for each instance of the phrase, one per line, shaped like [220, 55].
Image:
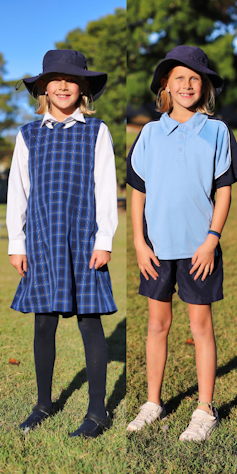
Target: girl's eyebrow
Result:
[193, 75]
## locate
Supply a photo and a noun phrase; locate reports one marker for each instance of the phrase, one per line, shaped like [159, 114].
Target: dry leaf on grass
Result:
[190, 342]
[14, 361]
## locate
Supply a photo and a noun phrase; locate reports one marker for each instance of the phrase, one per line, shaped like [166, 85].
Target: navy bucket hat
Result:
[190, 56]
[67, 61]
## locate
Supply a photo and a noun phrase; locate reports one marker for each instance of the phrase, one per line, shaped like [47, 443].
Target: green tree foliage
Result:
[8, 110]
[156, 26]
[7, 107]
[104, 42]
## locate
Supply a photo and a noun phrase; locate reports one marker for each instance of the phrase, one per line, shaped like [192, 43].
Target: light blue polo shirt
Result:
[178, 163]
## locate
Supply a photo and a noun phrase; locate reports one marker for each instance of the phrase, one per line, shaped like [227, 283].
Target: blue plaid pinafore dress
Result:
[61, 224]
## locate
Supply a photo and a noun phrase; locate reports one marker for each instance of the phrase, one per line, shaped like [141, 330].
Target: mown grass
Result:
[48, 449]
[156, 449]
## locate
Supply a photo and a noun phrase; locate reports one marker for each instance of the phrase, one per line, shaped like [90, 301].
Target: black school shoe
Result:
[38, 414]
[101, 424]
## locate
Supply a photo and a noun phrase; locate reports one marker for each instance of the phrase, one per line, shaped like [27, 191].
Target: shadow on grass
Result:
[116, 352]
[224, 410]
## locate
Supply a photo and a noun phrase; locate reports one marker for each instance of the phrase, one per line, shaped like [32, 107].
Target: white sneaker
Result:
[201, 426]
[149, 412]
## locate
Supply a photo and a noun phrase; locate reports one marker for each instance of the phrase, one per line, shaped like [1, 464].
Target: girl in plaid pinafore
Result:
[69, 226]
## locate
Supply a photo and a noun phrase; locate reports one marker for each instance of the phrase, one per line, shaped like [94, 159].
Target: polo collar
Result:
[194, 124]
[77, 116]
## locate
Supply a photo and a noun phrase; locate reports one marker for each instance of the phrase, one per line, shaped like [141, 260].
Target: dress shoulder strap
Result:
[29, 130]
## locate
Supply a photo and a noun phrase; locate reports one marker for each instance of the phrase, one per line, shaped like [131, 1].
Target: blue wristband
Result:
[213, 232]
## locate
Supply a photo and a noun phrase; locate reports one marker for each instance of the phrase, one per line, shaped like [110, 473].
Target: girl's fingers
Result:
[199, 272]
[156, 261]
[99, 264]
[194, 259]
[92, 261]
[152, 271]
[194, 268]
[148, 270]
[143, 271]
[20, 271]
[25, 265]
[203, 270]
[211, 268]
[153, 274]
[19, 262]
[206, 272]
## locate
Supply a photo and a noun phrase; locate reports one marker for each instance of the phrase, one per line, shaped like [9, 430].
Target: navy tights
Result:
[95, 352]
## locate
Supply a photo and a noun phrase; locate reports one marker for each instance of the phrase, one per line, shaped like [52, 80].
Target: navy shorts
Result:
[191, 291]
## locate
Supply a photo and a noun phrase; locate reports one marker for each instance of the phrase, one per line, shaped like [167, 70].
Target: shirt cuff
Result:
[17, 247]
[103, 242]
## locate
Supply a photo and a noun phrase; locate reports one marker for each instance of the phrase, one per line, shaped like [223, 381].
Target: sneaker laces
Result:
[201, 424]
[147, 415]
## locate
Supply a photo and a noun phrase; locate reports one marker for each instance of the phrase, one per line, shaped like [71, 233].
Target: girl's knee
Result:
[200, 319]
[200, 327]
[45, 325]
[158, 326]
[160, 316]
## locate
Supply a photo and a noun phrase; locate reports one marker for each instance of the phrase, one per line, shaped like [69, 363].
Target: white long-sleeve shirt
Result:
[105, 188]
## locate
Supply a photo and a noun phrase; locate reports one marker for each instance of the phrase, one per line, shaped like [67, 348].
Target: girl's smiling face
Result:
[63, 92]
[185, 87]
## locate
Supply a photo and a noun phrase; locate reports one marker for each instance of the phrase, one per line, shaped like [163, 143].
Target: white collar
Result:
[77, 116]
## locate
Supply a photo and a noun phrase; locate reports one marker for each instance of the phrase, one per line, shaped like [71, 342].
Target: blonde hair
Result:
[205, 105]
[43, 102]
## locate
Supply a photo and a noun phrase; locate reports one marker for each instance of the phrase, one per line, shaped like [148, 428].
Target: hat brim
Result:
[97, 80]
[166, 65]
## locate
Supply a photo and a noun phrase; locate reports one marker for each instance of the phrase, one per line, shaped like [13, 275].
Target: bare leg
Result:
[203, 334]
[160, 317]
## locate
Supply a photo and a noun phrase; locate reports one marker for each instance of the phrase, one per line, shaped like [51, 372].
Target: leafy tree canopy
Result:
[8, 108]
[104, 43]
[156, 26]
[9, 114]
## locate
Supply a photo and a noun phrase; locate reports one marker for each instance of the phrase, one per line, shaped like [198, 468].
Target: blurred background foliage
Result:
[156, 26]
[103, 42]
[8, 111]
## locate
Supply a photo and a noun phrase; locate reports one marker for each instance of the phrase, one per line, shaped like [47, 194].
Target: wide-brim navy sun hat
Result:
[190, 56]
[67, 61]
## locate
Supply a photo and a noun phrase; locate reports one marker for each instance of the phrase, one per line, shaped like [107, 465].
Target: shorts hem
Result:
[200, 301]
[161, 297]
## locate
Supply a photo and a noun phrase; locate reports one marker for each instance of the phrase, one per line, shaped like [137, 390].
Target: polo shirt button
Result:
[180, 149]
[181, 136]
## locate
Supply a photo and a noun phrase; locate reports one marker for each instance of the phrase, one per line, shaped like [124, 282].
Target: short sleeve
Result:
[135, 171]
[223, 155]
[230, 175]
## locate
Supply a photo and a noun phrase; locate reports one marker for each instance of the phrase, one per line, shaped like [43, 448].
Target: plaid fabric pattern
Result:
[61, 224]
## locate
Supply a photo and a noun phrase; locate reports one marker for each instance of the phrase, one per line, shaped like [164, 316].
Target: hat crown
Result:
[64, 57]
[183, 53]
[69, 62]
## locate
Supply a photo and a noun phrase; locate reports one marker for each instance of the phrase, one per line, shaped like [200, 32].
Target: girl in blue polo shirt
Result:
[61, 217]
[175, 166]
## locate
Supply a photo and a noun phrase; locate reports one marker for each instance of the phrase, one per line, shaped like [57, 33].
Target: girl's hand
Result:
[144, 257]
[99, 258]
[20, 263]
[203, 259]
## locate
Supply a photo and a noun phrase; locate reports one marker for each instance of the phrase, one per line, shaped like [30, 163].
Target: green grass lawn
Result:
[48, 449]
[156, 449]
